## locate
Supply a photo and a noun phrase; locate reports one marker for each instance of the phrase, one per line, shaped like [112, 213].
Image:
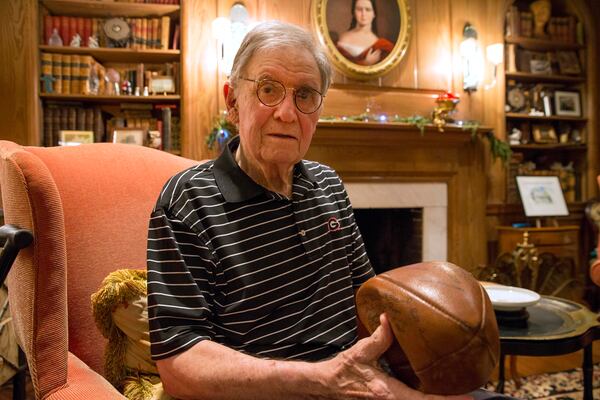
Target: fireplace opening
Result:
[393, 236]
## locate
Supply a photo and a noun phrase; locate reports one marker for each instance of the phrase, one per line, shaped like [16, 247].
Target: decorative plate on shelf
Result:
[516, 98]
[511, 298]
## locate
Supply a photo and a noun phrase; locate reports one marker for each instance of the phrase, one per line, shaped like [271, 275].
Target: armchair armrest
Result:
[84, 383]
[595, 272]
[12, 239]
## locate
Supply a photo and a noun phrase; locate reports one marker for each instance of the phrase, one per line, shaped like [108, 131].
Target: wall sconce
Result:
[472, 60]
[495, 55]
[229, 33]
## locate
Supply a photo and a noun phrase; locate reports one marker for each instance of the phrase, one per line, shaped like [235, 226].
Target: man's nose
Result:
[286, 110]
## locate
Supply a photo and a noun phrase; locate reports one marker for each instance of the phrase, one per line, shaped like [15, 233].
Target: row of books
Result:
[561, 29]
[58, 117]
[145, 33]
[543, 62]
[68, 73]
[83, 75]
[76, 117]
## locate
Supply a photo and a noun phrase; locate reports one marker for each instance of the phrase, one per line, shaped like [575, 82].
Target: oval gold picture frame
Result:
[391, 26]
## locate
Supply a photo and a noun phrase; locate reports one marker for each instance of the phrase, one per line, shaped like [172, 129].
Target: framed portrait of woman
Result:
[364, 38]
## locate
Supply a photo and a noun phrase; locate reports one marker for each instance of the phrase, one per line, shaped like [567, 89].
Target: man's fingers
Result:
[372, 347]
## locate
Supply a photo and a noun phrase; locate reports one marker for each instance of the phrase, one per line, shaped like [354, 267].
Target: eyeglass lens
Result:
[271, 93]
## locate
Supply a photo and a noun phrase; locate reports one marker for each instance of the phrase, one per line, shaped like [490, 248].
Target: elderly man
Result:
[253, 259]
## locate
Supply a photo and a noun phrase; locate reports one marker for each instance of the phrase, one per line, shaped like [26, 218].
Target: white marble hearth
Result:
[432, 197]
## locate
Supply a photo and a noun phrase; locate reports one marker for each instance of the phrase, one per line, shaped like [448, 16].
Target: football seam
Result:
[433, 306]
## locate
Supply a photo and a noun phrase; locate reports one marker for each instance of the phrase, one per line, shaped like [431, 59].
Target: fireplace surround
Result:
[375, 157]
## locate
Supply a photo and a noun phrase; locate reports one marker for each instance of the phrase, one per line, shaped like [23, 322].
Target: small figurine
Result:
[515, 136]
[76, 41]
[55, 39]
[93, 42]
[48, 79]
[126, 88]
[154, 139]
[541, 10]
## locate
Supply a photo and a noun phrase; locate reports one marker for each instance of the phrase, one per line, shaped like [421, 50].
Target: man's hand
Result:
[356, 373]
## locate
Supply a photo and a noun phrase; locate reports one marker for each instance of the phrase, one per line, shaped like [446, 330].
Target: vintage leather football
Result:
[446, 333]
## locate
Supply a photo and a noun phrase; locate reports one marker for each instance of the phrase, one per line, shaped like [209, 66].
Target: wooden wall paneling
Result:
[352, 100]
[589, 13]
[293, 11]
[493, 100]
[199, 69]
[434, 44]
[405, 74]
[467, 11]
[19, 72]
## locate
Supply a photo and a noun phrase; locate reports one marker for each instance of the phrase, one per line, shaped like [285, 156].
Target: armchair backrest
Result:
[88, 208]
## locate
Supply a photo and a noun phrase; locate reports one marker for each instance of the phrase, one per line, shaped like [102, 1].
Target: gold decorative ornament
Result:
[445, 106]
[364, 39]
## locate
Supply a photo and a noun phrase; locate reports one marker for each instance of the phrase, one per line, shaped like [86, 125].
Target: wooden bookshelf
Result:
[107, 55]
[545, 118]
[111, 99]
[550, 146]
[103, 8]
[529, 77]
[539, 69]
[541, 44]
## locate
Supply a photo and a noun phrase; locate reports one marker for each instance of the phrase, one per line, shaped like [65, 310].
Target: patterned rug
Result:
[565, 385]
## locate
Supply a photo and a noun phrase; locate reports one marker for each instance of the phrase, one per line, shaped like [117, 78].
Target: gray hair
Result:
[275, 34]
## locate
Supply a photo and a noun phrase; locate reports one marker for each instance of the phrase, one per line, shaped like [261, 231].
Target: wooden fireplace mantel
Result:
[396, 152]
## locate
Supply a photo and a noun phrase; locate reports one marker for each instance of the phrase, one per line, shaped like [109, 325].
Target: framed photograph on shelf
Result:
[542, 196]
[161, 84]
[129, 136]
[539, 66]
[75, 138]
[544, 134]
[567, 103]
[568, 63]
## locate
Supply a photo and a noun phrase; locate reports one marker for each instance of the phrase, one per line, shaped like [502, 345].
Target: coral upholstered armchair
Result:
[88, 208]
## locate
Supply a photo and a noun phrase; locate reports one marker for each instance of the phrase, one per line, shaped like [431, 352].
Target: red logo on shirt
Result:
[333, 224]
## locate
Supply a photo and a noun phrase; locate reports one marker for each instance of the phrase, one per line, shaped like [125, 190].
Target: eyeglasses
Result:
[272, 93]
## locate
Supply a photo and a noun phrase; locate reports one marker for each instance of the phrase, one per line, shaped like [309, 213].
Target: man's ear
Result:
[230, 103]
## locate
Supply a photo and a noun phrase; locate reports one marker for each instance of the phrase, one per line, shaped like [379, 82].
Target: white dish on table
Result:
[511, 298]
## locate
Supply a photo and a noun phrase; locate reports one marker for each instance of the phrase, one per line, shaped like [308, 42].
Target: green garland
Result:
[222, 131]
[499, 148]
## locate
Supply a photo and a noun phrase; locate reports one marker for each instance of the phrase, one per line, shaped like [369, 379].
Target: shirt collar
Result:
[234, 184]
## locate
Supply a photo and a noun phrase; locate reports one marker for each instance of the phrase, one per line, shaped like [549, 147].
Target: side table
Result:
[555, 326]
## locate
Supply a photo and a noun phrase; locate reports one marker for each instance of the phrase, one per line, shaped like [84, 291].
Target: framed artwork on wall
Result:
[356, 52]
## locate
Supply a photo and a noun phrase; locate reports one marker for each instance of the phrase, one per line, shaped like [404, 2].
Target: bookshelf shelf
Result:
[529, 77]
[111, 99]
[103, 54]
[104, 8]
[544, 118]
[541, 44]
[544, 147]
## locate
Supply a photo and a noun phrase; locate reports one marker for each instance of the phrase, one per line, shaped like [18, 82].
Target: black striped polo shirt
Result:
[233, 262]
